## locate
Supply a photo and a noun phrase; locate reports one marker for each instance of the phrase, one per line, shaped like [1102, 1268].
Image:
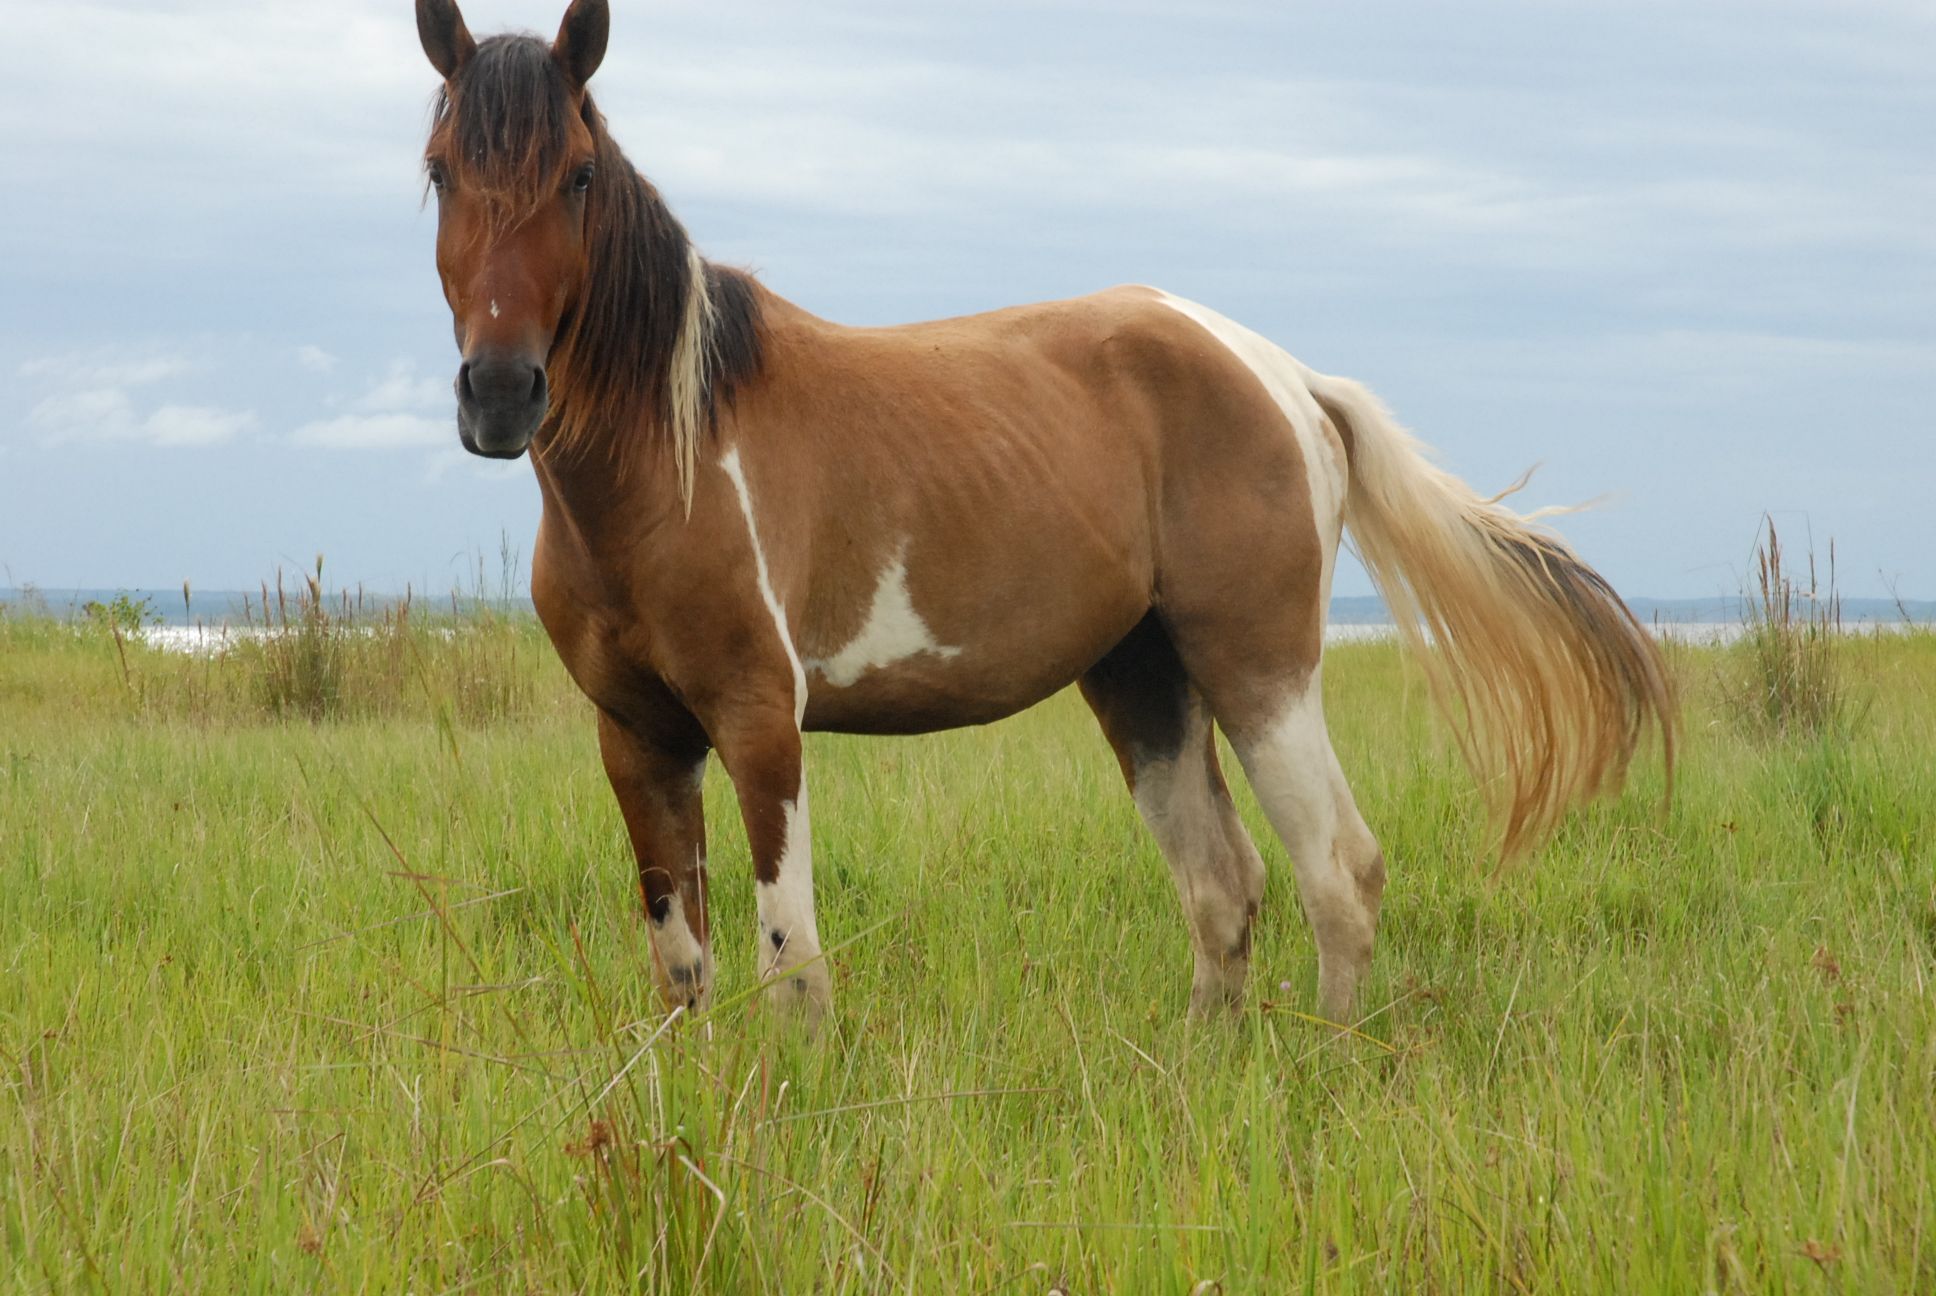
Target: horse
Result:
[758, 523]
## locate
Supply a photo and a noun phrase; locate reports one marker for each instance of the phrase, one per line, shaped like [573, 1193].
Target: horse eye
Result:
[436, 170]
[583, 180]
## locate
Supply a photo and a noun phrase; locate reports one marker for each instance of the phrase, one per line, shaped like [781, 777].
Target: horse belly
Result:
[902, 673]
[922, 697]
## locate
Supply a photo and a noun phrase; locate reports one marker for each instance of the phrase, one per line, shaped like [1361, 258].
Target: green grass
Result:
[246, 1046]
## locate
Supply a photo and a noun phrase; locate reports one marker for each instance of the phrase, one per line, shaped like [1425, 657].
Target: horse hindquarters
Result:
[1254, 492]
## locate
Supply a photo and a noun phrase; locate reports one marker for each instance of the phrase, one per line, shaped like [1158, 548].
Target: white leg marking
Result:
[789, 934]
[1340, 871]
[730, 462]
[894, 632]
[790, 954]
[685, 964]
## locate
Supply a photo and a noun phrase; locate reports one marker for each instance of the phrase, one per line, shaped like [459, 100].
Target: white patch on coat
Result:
[730, 462]
[1289, 383]
[894, 632]
[493, 308]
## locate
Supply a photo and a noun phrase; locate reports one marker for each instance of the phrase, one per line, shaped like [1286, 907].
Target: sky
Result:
[1683, 256]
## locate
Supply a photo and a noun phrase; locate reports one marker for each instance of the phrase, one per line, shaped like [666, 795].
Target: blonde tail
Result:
[1548, 679]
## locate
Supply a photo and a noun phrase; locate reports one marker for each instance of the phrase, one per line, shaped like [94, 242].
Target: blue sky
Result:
[1682, 255]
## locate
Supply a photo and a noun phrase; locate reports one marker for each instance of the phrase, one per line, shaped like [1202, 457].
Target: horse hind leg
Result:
[1161, 732]
[1340, 868]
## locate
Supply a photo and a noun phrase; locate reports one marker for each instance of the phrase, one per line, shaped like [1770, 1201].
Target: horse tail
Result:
[1546, 676]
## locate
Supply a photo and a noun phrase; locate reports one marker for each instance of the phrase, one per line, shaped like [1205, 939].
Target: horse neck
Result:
[606, 497]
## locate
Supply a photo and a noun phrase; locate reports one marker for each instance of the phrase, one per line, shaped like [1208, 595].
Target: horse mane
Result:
[659, 334]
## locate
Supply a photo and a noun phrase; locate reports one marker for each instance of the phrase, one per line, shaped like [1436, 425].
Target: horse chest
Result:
[598, 642]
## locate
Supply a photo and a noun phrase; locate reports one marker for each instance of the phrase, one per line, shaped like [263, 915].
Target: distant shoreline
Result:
[233, 607]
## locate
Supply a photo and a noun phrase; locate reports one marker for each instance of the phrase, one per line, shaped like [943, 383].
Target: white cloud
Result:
[315, 359]
[377, 432]
[90, 397]
[104, 369]
[401, 390]
[195, 425]
[109, 414]
[401, 410]
[78, 414]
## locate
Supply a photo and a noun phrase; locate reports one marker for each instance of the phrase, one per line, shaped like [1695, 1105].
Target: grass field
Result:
[364, 1005]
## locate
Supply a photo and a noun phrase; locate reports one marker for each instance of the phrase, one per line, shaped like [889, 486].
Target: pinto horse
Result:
[758, 523]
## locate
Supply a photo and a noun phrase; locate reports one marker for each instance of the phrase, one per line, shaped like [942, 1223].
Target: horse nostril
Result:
[502, 384]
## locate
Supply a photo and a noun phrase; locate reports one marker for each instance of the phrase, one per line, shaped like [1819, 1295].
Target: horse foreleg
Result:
[763, 755]
[658, 790]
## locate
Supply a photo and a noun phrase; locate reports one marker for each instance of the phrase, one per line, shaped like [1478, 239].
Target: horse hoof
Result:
[688, 986]
[802, 994]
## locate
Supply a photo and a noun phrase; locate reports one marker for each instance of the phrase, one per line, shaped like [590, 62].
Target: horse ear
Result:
[580, 46]
[445, 37]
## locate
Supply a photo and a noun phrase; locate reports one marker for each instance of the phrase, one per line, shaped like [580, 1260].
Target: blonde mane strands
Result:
[1548, 679]
[660, 338]
[689, 375]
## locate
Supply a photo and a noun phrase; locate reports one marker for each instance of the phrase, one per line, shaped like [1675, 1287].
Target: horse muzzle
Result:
[501, 402]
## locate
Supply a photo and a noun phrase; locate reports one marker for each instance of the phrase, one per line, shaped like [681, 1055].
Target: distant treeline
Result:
[217, 607]
[231, 607]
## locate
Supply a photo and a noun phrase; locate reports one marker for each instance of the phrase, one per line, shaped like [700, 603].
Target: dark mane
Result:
[505, 124]
[659, 334]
